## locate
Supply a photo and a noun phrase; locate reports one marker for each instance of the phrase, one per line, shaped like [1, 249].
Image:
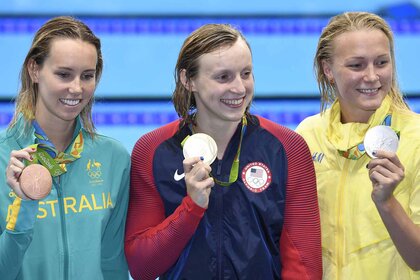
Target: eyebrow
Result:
[71, 69]
[363, 57]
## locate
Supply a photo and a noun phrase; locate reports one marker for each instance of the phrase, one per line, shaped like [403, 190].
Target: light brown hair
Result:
[346, 22]
[204, 40]
[63, 27]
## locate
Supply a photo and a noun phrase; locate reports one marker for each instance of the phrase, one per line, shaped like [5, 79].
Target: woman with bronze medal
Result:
[365, 145]
[221, 193]
[64, 192]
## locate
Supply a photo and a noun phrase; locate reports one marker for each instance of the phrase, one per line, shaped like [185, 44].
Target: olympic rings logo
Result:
[95, 174]
[258, 182]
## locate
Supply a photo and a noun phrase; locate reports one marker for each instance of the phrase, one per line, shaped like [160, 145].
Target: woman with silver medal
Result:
[368, 175]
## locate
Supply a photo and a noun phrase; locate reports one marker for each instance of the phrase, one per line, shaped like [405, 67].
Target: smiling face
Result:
[224, 85]
[361, 70]
[66, 80]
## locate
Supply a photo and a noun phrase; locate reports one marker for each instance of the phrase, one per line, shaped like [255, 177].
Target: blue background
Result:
[141, 40]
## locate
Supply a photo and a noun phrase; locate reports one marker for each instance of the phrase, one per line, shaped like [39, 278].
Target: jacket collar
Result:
[23, 131]
[348, 135]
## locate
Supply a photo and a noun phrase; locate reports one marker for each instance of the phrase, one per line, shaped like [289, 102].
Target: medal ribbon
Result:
[234, 170]
[47, 155]
[356, 152]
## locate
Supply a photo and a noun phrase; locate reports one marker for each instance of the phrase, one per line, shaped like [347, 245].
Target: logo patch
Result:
[178, 177]
[318, 157]
[256, 176]
[93, 169]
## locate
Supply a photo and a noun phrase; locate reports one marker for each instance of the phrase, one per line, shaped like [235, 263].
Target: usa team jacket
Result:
[263, 226]
[76, 232]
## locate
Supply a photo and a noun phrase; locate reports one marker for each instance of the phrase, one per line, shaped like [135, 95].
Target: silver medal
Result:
[380, 137]
[200, 144]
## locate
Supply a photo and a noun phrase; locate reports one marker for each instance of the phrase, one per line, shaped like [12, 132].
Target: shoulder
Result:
[151, 140]
[157, 136]
[106, 144]
[4, 147]
[289, 138]
[407, 121]
[3, 135]
[408, 124]
[296, 150]
[276, 129]
[311, 123]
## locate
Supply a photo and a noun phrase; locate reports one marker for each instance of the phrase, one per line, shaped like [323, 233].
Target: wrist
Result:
[385, 205]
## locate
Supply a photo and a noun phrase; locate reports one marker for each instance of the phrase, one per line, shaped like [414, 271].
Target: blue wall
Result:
[141, 40]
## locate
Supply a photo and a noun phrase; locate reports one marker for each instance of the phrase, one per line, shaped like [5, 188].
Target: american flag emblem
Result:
[256, 173]
[256, 176]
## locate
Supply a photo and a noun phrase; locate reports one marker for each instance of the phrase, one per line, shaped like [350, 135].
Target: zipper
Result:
[219, 204]
[219, 168]
[340, 227]
[63, 229]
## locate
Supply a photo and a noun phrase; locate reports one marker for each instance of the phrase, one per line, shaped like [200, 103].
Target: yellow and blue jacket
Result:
[355, 242]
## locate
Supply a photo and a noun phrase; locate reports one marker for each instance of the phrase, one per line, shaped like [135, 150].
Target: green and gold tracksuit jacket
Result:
[355, 242]
[77, 231]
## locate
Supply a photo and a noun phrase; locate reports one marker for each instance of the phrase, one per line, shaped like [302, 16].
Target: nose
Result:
[371, 74]
[75, 86]
[238, 85]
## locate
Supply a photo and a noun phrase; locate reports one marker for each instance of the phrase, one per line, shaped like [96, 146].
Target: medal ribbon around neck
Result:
[356, 152]
[47, 155]
[234, 170]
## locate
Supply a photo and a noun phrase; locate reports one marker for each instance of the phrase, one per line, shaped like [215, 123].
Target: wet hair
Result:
[347, 22]
[63, 27]
[204, 40]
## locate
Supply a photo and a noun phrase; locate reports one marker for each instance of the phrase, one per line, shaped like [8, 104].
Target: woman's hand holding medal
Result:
[200, 151]
[198, 180]
[28, 182]
[385, 169]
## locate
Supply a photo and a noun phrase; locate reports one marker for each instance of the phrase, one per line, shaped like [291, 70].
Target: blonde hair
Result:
[56, 28]
[351, 21]
[204, 40]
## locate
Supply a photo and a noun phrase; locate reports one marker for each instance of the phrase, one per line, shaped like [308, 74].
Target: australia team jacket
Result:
[263, 226]
[77, 231]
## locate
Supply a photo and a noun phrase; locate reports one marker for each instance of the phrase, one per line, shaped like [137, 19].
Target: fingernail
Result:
[30, 157]
[201, 158]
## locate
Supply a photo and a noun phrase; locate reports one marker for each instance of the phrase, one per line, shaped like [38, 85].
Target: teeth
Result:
[70, 102]
[371, 90]
[232, 101]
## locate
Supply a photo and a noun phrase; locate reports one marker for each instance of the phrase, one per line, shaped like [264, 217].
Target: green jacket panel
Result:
[77, 231]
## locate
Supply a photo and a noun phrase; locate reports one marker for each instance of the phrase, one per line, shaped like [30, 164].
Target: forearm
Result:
[17, 237]
[152, 251]
[404, 233]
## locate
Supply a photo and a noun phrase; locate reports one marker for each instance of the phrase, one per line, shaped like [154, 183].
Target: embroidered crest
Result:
[93, 169]
[256, 176]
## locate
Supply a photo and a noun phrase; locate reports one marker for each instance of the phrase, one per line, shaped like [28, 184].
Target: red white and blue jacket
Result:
[263, 226]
